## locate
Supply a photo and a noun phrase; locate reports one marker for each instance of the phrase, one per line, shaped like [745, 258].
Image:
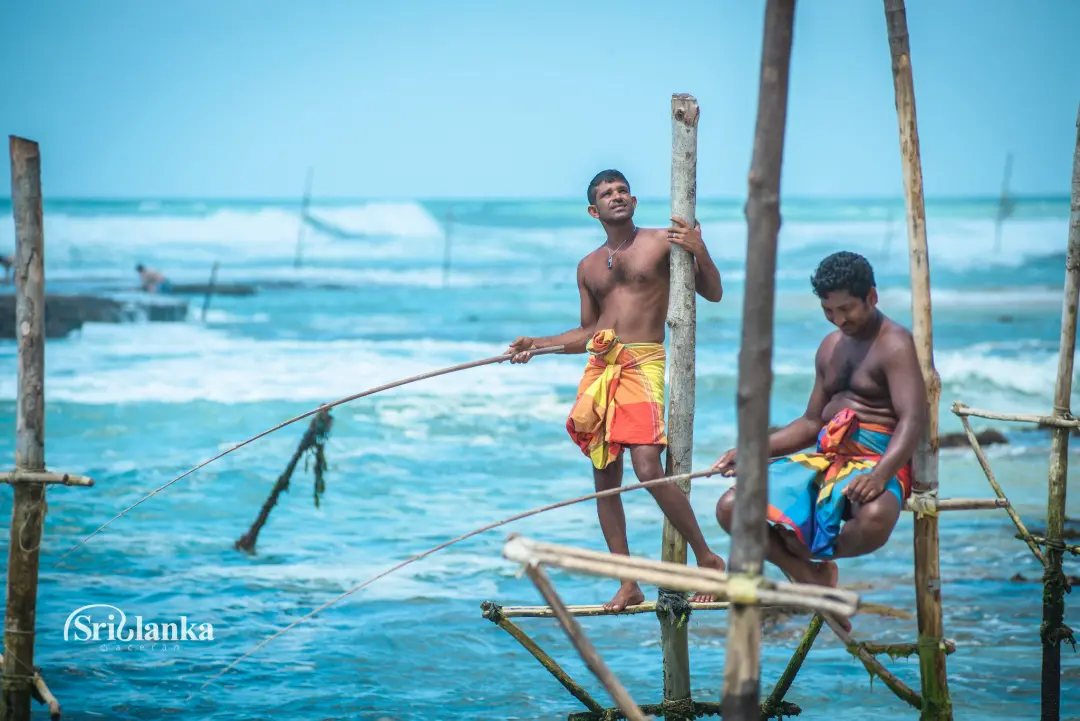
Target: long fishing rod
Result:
[327, 406]
[470, 534]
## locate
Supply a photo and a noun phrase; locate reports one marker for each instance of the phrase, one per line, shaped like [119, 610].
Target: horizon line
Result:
[538, 198]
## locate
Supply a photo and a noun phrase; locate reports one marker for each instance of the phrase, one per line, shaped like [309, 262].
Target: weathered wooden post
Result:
[935, 683]
[28, 478]
[740, 698]
[682, 320]
[1054, 630]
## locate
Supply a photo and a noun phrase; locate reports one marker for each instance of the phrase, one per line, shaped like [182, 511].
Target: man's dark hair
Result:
[843, 271]
[139, 267]
[605, 176]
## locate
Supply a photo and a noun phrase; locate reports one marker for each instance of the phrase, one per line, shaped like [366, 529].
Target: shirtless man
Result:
[623, 286]
[151, 280]
[868, 400]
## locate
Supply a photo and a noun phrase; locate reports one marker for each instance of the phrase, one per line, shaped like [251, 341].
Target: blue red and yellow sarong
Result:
[814, 507]
[620, 400]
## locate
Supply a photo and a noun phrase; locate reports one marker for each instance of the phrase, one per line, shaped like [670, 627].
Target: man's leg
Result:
[676, 506]
[613, 524]
[870, 526]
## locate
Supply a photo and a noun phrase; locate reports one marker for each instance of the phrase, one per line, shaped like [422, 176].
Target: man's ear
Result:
[594, 212]
[872, 297]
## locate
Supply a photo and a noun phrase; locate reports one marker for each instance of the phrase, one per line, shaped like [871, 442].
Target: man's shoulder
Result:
[894, 336]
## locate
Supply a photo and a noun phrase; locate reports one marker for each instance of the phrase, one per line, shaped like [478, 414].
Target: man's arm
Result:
[802, 432]
[707, 281]
[573, 340]
[907, 392]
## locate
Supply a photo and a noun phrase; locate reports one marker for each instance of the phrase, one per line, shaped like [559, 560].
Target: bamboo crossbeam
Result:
[874, 667]
[60, 479]
[976, 447]
[969, 504]
[43, 694]
[897, 650]
[1053, 421]
[494, 613]
[681, 578]
[597, 610]
[587, 651]
[700, 709]
[1041, 541]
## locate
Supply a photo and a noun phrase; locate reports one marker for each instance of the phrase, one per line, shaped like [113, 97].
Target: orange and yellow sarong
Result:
[620, 400]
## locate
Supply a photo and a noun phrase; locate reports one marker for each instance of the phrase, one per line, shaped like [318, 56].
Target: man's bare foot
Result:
[629, 594]
[820, 573]
[717, 564]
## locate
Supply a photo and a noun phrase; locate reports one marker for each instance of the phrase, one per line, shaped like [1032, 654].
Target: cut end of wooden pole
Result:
[685, 109]
[22, 146]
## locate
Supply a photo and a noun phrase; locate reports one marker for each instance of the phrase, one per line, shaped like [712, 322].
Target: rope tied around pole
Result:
[743, 587]
[682, 708]
[1055, 586]
[673, 606]
[924, 503]
[31, 512]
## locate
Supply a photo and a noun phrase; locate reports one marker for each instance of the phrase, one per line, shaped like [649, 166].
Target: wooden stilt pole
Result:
[209, 291]
[740, 699]
[28, 509]
[300, 231]
[682, 320]
[1054, 630]
[935, 684]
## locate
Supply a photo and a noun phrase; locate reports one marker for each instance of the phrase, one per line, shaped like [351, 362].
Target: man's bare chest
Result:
[855, 370]
[639, 269]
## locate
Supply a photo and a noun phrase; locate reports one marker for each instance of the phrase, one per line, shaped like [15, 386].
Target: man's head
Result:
[140, 268]
[609, 197]
[844, 282]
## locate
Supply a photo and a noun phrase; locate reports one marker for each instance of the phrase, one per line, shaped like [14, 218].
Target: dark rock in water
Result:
[959, 440]
[237, 289]
[67, 313]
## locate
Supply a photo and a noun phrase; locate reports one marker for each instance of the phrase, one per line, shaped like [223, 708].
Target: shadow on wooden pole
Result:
[740, 699]
[682, 321]
[935, 683]
[1054, 631]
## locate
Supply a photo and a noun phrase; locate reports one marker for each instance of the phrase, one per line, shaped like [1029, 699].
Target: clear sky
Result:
[503, 98]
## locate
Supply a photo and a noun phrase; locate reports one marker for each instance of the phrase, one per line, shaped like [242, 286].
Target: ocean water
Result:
[135, 405]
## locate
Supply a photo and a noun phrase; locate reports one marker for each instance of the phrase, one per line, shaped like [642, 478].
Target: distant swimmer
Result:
[624, 286]
[865, 415]
[152, 281]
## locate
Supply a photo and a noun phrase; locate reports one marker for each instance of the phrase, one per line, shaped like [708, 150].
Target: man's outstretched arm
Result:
[573, 340]
[908, 395]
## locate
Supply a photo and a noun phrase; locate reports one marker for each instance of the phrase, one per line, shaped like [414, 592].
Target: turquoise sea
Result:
[134, 405]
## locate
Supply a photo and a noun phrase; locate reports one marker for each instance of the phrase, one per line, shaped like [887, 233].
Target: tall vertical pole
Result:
[303, 216]
[741, 695]
[28, 509]
[682, 320]
[448, 231]
[1054, 630]
[935, 683]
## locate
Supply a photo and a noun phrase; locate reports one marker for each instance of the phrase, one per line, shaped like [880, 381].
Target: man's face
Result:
[614, 203]
[849, 313]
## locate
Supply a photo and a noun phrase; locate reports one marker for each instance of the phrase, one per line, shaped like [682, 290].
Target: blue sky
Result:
[433, 98]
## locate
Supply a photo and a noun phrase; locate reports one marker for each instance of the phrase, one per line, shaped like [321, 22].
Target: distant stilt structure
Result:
[209, 290]
[1006, 205]
[448, 231]
[300, 232]
[741, 695]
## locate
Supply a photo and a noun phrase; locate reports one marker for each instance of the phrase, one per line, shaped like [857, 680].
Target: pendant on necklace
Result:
[609, 262]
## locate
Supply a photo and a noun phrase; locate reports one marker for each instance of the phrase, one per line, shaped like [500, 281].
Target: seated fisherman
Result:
[623, 286]
[866, 412]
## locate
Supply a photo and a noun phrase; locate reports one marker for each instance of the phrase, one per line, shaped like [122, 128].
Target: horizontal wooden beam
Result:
[872, 609]
[1059, 422]
[59, 479]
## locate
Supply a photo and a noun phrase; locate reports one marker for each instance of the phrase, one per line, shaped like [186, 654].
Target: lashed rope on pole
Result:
[371, 391]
